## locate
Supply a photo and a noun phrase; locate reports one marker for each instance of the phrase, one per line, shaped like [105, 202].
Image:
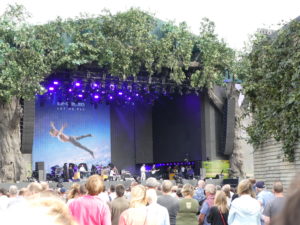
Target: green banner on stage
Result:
[216, 167]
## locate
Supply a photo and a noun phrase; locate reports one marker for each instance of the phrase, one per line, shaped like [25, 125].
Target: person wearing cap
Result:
[263, 196]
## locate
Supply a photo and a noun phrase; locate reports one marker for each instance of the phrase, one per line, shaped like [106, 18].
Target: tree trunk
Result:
[237, 158]
[12, 166]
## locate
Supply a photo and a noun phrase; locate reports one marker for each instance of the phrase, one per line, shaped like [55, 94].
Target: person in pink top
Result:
[90, 209]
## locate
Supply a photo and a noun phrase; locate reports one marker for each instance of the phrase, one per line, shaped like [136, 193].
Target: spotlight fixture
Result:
[112, 87]
[77, 84]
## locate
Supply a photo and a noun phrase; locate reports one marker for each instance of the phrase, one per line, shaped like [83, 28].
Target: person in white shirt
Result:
[4, 201]
[143, 172]
[156, 211]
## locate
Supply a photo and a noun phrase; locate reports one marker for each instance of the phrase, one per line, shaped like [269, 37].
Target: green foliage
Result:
[272, 84]
[124, 44]
[215, 57]
[22, 66]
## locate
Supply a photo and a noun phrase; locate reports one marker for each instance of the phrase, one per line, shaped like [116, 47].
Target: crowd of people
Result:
[154, 203]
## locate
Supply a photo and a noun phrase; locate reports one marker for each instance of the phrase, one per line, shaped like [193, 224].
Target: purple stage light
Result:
[70, 90]
[96, 96]
[55, 82]
[51, 88]
[129, 98]
[137, 94]
[77, 84]
[110, 97]
[112, 87]
[95, 85]
[80, 95]
[120, 93]
[103, 92]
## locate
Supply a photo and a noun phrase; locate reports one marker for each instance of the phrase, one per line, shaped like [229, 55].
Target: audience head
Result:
[277, 187]
[245, 188]
[34, 188]
[260, 185]
[138, 196]
[221, 201]
[45, 185]
[218, 188]
[120, 190]
[210, 189]
[187, 190]
[201, 183]
[174, 188]
[252, 180]
[74, 192]
[42, 208]
[23, 192]
[94, 185]
[83, 190]
[151, 182]
[179, 193]
[3, 191]
[290, 213]
[151, 196]
[226, 188]
[112, 188]
[13, 191]
[167, 186]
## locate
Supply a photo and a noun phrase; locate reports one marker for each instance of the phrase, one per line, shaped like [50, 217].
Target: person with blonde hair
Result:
[137, 214]
[245, 209]
[188, 207]
[38, 210]
[227, 190]
[73, 193]
[218, 214]
[90, 209]
[34, 188]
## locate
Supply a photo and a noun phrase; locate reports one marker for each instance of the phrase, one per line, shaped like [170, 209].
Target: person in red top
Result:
[90, 209]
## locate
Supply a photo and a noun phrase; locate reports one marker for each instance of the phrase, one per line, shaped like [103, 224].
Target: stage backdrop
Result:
[76, 133]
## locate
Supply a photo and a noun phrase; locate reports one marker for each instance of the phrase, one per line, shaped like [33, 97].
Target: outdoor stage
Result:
[173, 129]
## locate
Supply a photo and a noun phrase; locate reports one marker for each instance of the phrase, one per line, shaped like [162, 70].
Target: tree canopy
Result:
[272, 83]
[124, 44]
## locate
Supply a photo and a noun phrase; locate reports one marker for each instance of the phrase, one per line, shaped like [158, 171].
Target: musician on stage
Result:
[154, 171]
[143, 172]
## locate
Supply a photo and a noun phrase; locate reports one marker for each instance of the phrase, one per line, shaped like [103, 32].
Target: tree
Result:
[132, 43]
[22, 68]
[272, 84]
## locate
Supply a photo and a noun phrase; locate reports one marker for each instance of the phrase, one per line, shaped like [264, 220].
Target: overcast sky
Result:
[235, 19]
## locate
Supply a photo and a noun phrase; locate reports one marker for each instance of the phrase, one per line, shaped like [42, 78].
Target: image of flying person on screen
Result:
[71, 139]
